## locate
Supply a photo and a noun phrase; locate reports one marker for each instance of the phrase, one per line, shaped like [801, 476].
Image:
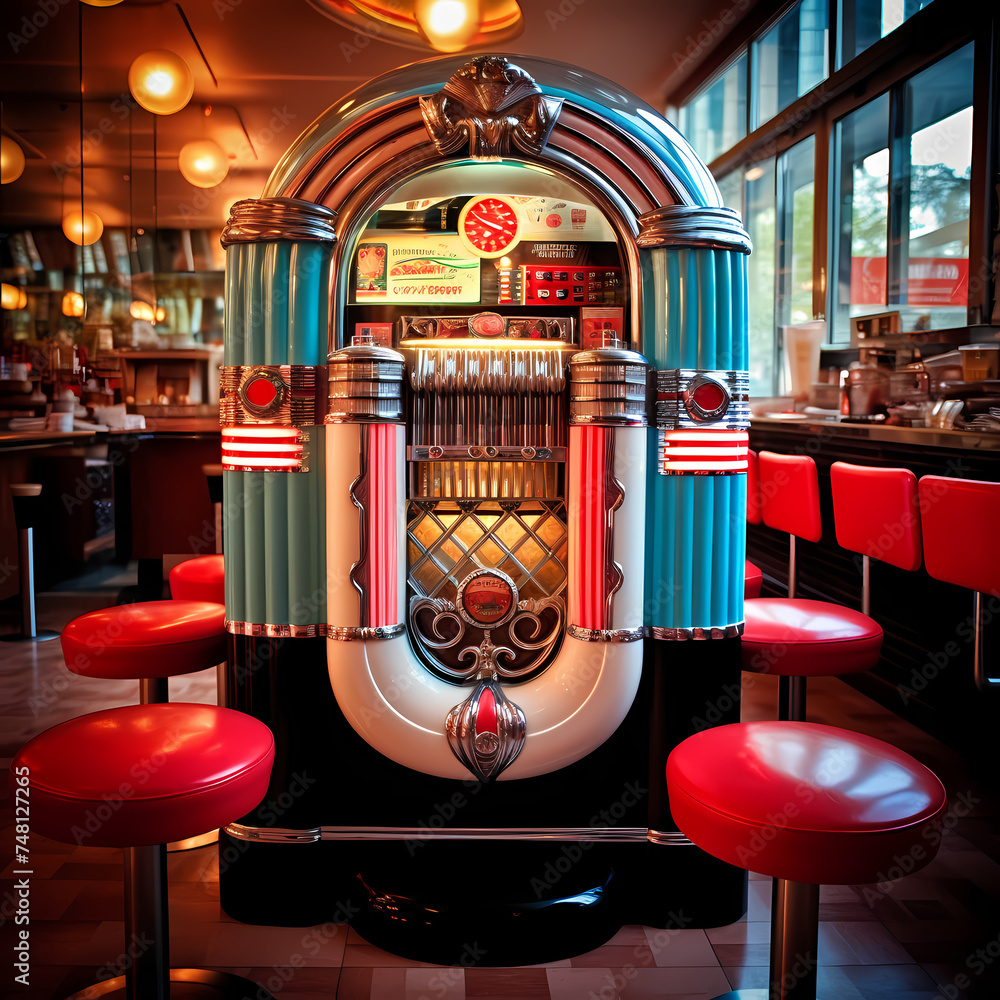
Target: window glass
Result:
[716, 119]
[902, 229]
[759, 194]
[796, 202]
[932, 275]
[790, 59]
[731, 189]
[864, 22]
[861, 150]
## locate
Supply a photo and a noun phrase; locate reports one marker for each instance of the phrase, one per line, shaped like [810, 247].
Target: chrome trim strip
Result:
[698, 632]
[484, 453]
[606, 635]
[260, 630]
[256, 220]
[614, 497]
[668, 838]
[595, 834]
[685, 225]
[358, 493]
[352, 633]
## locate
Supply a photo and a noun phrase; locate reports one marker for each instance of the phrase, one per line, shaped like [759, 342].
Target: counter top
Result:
[11, 439]
[926, 437]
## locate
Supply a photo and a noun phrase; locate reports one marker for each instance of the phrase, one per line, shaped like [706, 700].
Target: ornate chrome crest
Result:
[438, 627]
[486, 731]
[489, 104]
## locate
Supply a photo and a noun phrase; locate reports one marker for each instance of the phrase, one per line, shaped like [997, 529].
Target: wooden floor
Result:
[935, 934]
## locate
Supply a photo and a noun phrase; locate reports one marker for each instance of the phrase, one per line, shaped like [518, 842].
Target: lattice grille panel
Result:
[446, 541]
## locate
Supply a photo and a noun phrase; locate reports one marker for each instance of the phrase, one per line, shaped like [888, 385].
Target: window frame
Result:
[884, 65]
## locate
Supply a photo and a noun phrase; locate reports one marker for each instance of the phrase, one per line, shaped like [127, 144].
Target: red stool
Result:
[793, 637]
[199, 579]
[150, 642]
[962, 545]
[807, 805]
[876, 514]
[753, 578]
[134, 778]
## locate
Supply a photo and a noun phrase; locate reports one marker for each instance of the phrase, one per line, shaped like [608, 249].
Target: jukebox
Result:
[484, 407]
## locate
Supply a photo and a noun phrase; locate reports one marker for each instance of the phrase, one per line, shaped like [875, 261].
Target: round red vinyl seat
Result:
[804, 802]
[148, 639]
[802, 638]
[199, 579]
[145, 774]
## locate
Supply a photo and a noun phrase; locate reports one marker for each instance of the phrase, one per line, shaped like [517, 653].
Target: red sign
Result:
[932, 281]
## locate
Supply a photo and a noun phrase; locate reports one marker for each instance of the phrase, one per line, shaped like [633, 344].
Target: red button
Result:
[260, 392]
[709, 396]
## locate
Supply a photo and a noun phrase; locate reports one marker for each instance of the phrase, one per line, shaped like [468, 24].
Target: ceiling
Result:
[277, 66]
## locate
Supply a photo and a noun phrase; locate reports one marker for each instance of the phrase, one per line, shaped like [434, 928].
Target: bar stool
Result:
[753, 578]
[201, 578]
[962, 545]
[876, 514]
[794, 637]
[27, 517]
[150, 642]
[808, 805]
[134, 778]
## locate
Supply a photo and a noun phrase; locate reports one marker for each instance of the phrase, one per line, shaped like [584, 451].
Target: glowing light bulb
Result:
[142, 310]
[83, 228]
[203, 163]
[11, 160]
[447, 24]
[73, 305]
[161, 81]
[10, 296]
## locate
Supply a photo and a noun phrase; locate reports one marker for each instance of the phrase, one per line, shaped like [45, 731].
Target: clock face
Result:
[489, 226]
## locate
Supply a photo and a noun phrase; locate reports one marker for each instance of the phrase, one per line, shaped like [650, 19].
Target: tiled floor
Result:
[935, 934]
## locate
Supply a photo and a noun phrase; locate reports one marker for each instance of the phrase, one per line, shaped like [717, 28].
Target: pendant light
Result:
[161, 81]
[73, 305]
[11, 160]
[82, 227]
[203, 163]
[12, 297]
[447, 24]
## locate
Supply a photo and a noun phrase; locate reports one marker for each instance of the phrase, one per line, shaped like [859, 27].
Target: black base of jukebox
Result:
[476, 900]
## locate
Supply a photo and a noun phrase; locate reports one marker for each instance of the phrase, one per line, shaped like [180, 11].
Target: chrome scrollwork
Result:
[532, 631]
[490, 104]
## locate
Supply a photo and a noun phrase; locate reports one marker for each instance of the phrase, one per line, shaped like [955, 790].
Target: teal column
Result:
[277, 318]
[696, 520]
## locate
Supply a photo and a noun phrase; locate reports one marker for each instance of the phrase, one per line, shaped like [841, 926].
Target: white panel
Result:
[343, 524]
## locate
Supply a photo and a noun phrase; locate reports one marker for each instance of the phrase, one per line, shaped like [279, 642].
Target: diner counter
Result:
[141, 492]
[805, 425]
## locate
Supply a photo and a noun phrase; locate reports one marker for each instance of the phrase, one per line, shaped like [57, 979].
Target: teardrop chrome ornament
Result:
[486, 732]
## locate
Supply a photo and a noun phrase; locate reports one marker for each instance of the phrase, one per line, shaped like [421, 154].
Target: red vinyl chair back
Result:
[753, 488]
[876, 513]
[961, 531]
[789, 494]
